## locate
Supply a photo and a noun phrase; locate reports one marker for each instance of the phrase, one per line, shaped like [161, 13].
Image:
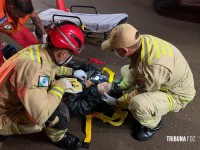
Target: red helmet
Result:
[67, 35]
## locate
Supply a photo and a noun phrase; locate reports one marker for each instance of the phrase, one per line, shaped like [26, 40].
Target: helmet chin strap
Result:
[54, 58]
[66, 61]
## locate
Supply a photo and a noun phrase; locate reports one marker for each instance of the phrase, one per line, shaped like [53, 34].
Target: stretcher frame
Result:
[87, 32]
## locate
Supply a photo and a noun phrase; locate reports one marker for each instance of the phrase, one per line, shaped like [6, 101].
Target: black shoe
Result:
[145, 133]
[69, 142]
[2, 138]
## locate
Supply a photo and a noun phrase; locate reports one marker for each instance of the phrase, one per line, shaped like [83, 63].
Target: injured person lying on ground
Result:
[90, 100]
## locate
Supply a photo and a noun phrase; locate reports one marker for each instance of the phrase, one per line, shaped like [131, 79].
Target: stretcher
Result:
[92, 23]
[116, 119]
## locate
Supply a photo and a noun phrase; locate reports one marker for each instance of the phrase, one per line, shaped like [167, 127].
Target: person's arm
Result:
[38, 23]
[32, 87]
[87, 84]
[156, 76]
[73, 102]
[64, 71]
[83, 103]
[79, 105]
[128, 78]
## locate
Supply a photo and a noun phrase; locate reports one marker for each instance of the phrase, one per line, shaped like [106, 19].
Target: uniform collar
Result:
[135, 58]
[49, 55]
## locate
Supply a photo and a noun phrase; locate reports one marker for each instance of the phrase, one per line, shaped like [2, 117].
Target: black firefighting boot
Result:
[2, 138]
[145, 133]
[69, 142]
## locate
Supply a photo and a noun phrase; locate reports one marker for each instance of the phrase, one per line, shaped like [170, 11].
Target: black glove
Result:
[9, 51]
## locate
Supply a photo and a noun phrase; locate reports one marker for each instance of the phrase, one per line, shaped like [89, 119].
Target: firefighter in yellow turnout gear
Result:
[30, 97]
[158, 73]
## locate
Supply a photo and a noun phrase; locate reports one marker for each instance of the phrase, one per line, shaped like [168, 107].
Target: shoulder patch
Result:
[43, 81]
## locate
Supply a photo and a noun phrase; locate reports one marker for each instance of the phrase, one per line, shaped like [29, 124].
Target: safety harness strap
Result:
[88, 131]
[110, 72]
[116, 120]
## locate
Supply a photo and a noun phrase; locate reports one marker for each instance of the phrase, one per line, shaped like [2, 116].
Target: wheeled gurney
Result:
[93, 23]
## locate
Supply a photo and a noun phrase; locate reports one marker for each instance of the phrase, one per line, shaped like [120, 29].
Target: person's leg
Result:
[24, 37]
[148, 108]
[19, 123]
[56, 129]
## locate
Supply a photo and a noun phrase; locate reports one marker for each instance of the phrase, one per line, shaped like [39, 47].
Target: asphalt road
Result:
[180, 29]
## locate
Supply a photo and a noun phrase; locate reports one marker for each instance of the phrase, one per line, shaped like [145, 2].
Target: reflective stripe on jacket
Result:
[27, 83]
[160, 65]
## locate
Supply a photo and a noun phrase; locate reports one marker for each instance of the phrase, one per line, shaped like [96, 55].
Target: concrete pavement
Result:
[183, 34]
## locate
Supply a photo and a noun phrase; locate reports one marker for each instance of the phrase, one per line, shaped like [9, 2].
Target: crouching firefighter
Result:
[159, 84]
[30, 97]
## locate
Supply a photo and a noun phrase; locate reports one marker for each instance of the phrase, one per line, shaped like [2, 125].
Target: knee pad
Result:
[62, 113]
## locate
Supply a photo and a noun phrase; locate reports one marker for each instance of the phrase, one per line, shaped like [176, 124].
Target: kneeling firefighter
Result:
[30, 97]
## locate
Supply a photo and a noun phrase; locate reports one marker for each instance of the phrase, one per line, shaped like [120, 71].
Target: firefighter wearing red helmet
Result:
[72, 40]
[31, 97]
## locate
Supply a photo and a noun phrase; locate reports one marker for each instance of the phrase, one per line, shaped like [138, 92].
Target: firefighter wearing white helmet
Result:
[161, 84]
[31, 97]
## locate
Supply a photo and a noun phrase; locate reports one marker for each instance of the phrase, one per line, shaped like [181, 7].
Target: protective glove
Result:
[109, 99]
[44, 38]
[69, 87]
[68, 84]
[80, 74]
[9, 51]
